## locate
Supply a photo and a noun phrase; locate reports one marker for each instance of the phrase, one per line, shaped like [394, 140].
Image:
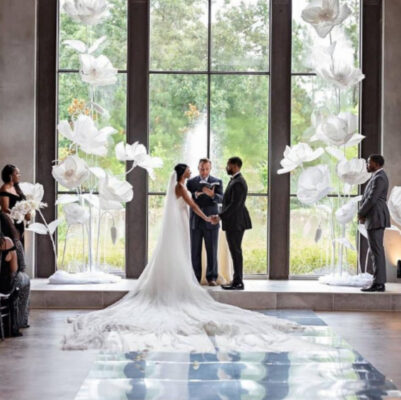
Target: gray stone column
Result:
[17, 91]
[391, 116]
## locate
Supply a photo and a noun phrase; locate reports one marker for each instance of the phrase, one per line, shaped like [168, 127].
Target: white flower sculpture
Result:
[75, 214]
[97, 71]
[87, 12]
[297, 155]
[394, 204]
[340, 74]
[113, 192]
[81, 47]
[353, 172]
[347, 212]
[337, 130]
[324, 15]
[71, 172]
[33, 193]
[86, 135]
[313, 184]
[137, 152]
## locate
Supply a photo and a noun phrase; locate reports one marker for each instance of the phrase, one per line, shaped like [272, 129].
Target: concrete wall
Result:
[17, 105]
[392, 90]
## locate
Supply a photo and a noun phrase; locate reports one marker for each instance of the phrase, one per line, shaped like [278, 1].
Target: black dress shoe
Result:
[16, 334]
[376, 287]
[233, 286]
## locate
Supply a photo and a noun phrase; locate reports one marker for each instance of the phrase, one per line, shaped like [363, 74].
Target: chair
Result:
[5, 314]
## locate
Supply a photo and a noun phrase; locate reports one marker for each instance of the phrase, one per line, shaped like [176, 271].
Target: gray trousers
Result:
[375, 240]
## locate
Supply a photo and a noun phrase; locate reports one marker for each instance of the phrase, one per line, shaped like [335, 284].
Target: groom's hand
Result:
[207, 191]
[215, 219]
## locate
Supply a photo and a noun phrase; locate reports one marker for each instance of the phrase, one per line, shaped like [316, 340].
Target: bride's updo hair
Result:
[180, 169]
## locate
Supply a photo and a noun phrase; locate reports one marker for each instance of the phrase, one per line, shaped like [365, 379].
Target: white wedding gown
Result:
[170, 311]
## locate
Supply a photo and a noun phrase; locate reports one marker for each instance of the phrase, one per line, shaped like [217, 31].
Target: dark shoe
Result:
[376, 287]
[233, 286]
[16, 334]
[212, 283]
[25, 326]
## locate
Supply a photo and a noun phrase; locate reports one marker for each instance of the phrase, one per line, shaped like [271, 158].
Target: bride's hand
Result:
[209, 219]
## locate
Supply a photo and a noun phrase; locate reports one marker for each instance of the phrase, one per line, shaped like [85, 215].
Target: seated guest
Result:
[11, 193]
[21, 279]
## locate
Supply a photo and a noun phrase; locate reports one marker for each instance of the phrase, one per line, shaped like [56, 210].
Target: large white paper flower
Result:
[137, 152]
[324, 15]
[340, 74]
[313, 184]
[97, 71]
[86, 135]
[88, 12]
[81, 47]
[32, 191]
[113, 192]
[71, 172]
[353, 172]
[75, 213]
[348, 211]
[337, 130]
[296, 155]
[394, 204]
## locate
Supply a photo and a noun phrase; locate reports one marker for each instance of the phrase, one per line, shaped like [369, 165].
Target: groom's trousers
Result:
[211, 237]
[375, 239]
[234, 240]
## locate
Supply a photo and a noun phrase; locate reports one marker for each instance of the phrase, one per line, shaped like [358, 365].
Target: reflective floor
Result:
[336, 373]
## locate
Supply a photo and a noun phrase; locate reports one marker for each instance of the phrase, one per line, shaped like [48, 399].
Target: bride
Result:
[169, 311]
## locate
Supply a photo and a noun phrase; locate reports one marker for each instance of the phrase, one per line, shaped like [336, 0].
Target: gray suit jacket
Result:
[373, 204]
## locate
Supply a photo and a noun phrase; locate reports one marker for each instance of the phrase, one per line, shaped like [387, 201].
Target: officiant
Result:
[207, 192]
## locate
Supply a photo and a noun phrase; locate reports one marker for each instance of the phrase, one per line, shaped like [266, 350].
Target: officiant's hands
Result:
[215, 219]
[207, 191]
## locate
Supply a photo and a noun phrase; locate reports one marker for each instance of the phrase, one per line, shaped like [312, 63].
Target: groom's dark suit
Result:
[377, 217]
[235, 218]
[204, 230]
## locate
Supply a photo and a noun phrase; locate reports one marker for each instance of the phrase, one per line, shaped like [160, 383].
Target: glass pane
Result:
[240, 35]
[239, 126]
[310, 250]
[254, 245]
[74, 99]
[310, 94]
[114, 28]
[305, 38]
[155, 214]
[178, 123]
[178, 35]
[108, 251]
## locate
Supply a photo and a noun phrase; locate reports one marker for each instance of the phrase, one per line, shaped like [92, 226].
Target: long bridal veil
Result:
[169, 311]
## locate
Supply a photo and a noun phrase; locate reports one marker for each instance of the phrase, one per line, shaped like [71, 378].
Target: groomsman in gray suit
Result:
[373, 212]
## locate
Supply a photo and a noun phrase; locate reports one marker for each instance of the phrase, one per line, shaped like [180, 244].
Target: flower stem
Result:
[51, 237]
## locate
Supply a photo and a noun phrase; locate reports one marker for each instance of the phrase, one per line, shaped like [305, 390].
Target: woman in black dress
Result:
[10, 194]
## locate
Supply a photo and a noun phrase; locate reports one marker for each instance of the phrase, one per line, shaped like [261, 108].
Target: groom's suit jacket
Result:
[373, 204]
[207, 204]
[234, 214]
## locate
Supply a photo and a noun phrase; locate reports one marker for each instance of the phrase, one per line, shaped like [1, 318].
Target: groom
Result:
[235, 218]
[207, 193]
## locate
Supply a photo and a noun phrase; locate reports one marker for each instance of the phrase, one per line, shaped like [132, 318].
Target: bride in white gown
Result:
[169, 311]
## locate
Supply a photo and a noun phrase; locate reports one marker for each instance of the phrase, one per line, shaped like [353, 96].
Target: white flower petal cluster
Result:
[137, 152]
[353, 172]
[113, 192]
[97, 71]
[337, 130]
[348, 211]
[75, 214]
[24, 207]
[81, 47]
[340, 74]
[394, 204]
[86, 135]
[324, 15]
[87, 12]
[71, 172]
[313, 184]
[296, 155]
[33, 193]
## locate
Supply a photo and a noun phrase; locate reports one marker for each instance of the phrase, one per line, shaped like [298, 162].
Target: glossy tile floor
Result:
[34, 367]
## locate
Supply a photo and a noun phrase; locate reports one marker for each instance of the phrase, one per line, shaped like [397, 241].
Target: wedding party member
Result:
[235, 218]
[10, 194]
[20, 278]
[373, 212]
[207, 193]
